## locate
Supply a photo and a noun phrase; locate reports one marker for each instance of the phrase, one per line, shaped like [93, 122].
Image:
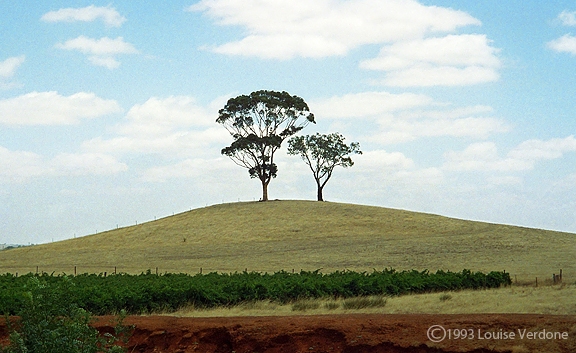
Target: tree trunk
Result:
[264, 191]
[320, 193]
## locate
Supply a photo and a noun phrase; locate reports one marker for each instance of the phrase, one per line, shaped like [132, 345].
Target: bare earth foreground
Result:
[350, 333]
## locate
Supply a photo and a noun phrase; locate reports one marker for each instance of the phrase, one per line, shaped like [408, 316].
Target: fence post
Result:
[560, 275]
[536, 281]
[74, 270]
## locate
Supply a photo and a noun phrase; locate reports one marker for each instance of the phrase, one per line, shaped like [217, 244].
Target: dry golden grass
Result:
[309, 235]
[555, 300]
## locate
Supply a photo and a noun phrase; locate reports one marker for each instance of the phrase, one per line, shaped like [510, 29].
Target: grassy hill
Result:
[305, 235]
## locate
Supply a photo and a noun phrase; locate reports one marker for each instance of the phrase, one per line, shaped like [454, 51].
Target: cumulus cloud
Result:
[407, 116]
[393, 130]
[367, 104]
[564, 44]
[101, 52]
[51, 108]
[567, 18]
[484, 156]
[78, 164]
[107, 14]
[21, 166]
[8, 67]
[172, 126]
[282, 30]
[191, 168]
[542, 150]
[382, 160]
[379, 171]
[453, 60]
[416, 51]
[466, 50]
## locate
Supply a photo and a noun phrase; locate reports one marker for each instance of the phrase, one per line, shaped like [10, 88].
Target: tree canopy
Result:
[322, 153]
[259, 123]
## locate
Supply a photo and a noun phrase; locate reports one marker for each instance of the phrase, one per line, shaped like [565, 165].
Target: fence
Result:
[105, 270]
[556, 279]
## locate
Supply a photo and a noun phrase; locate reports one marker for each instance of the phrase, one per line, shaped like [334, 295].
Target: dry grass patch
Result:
[556, 300]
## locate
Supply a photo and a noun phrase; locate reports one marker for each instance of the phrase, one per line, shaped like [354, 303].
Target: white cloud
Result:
[538, 149]
[567, 18]
[452, 50]
[505, 180]
[108, 14]
[105, 61]
[428, 76]
[484, 156]
[8, 67]
[191, 168]
[453, 60]
[21, 166]
[367, 104]
[405, 117]
[379, 171]
[77, 164]
[51, 108]
[416, 52]
[326, 27]
[393, 130]
[173, 126]
[101, 52]
[448, 112]
[99, 47]
[381, 160]
[564, 44]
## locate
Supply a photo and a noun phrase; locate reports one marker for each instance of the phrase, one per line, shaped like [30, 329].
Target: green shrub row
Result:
[149, 292]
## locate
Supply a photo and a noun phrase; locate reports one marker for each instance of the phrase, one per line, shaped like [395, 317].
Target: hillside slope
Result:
[305, 235]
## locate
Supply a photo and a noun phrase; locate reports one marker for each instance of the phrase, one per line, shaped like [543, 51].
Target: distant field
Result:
[307, 235]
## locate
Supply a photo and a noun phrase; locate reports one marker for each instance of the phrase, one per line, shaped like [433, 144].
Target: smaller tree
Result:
[322, 153]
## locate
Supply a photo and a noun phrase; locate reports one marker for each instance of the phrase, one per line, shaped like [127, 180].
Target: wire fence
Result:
[522, 280]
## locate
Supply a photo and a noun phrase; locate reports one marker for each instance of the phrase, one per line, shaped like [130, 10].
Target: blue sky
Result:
[107, 110]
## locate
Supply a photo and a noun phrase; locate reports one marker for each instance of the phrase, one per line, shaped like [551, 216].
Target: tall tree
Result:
[322, 153]
[259, 123]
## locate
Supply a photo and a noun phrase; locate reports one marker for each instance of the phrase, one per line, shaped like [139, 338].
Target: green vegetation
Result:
[148, 292]
[48, 321]
[285, 235]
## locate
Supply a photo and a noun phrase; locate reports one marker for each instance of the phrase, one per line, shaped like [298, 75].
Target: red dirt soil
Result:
[350, 333]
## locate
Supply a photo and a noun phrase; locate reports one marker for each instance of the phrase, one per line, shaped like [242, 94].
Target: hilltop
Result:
[309, 235]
